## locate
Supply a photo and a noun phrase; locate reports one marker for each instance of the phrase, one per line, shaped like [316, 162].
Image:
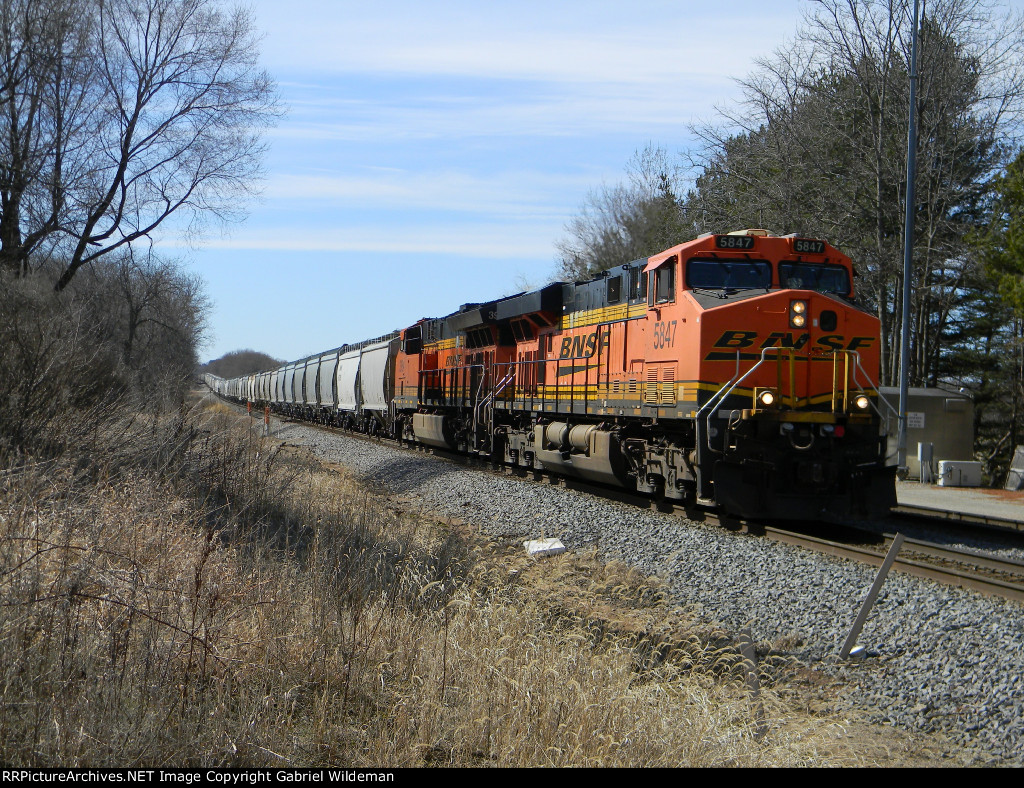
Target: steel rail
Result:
[948, 576]
[964, 555]
[968, 518]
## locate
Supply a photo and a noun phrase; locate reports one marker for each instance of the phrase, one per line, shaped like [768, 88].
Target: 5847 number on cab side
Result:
[664, 334]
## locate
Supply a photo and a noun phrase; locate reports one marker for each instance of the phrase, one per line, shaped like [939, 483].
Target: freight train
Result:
[736, 369]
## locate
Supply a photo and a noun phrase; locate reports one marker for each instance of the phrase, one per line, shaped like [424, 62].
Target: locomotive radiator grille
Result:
[651, 389]
[660, 388]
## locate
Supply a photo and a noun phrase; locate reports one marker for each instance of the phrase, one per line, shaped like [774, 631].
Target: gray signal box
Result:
[944, 419]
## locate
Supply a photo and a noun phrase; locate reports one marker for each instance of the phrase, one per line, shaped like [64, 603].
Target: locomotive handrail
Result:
[443, 373]
[737, 379]
[718, 394]
[502, 385]
[532, 387]
[883, 400]
[729, 387]
[699, 441]
[846, 378]
[483, 403]
[878, 392]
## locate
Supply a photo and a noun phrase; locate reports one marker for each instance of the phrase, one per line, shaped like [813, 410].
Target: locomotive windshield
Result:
[823, 278]
[729, 274]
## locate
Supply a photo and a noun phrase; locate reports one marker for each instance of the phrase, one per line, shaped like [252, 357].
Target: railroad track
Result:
[929, 513]
[981, 572]
[971, 569]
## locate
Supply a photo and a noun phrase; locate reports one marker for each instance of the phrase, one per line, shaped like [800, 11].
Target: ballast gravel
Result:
[939, 658]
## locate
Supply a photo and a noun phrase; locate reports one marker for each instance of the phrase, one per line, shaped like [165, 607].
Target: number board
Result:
[734, 241]
[808, 246]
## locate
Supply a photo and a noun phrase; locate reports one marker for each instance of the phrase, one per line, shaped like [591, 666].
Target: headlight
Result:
[797, 314]
[862, 402]
[766, 398]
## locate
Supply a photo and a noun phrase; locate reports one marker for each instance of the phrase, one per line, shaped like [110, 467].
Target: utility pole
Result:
[908, 251]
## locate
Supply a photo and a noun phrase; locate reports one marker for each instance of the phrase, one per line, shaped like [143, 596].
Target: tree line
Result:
[238, 363]
[118, 119]
[817, 145]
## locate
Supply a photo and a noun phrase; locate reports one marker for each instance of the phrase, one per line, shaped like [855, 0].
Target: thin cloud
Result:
[508, 194]
[475, 241]
[637, 43]
[390, 118]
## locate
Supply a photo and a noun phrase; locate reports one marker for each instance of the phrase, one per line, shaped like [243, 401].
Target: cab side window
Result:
[637, 284]
[664, 289]
[413, 342]
[615, 290]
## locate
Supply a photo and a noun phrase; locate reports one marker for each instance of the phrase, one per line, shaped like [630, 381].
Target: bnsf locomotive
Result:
[733, 369]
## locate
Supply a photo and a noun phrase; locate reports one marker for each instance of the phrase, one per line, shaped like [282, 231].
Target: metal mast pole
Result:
[908, 250]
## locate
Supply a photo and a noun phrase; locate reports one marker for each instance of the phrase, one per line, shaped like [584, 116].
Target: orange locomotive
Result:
[735, 369]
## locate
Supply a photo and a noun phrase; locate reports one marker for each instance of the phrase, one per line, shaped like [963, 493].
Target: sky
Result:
[432, 153]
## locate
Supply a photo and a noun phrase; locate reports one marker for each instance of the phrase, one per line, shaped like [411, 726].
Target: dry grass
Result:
[254, 608]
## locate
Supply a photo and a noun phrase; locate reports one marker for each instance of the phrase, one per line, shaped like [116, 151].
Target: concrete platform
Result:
[978, 501]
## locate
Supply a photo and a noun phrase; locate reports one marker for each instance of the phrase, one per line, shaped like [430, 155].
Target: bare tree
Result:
[118, 114]
[625, 222]
[125, 331]
[48, 92]
[240, 362]
[161, 316]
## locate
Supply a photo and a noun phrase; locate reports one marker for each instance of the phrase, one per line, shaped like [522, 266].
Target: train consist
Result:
[734, 369]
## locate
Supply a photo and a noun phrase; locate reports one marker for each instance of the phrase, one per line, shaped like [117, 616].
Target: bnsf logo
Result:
[582, 346]
[735, 340]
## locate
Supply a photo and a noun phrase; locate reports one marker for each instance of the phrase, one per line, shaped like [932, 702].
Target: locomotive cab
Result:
[784, 410]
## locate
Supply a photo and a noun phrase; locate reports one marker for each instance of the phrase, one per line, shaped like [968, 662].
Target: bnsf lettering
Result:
[737, 339]
[744, 339]
[832, 342]
[582, 346]
[858, 342]
[786, 340]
